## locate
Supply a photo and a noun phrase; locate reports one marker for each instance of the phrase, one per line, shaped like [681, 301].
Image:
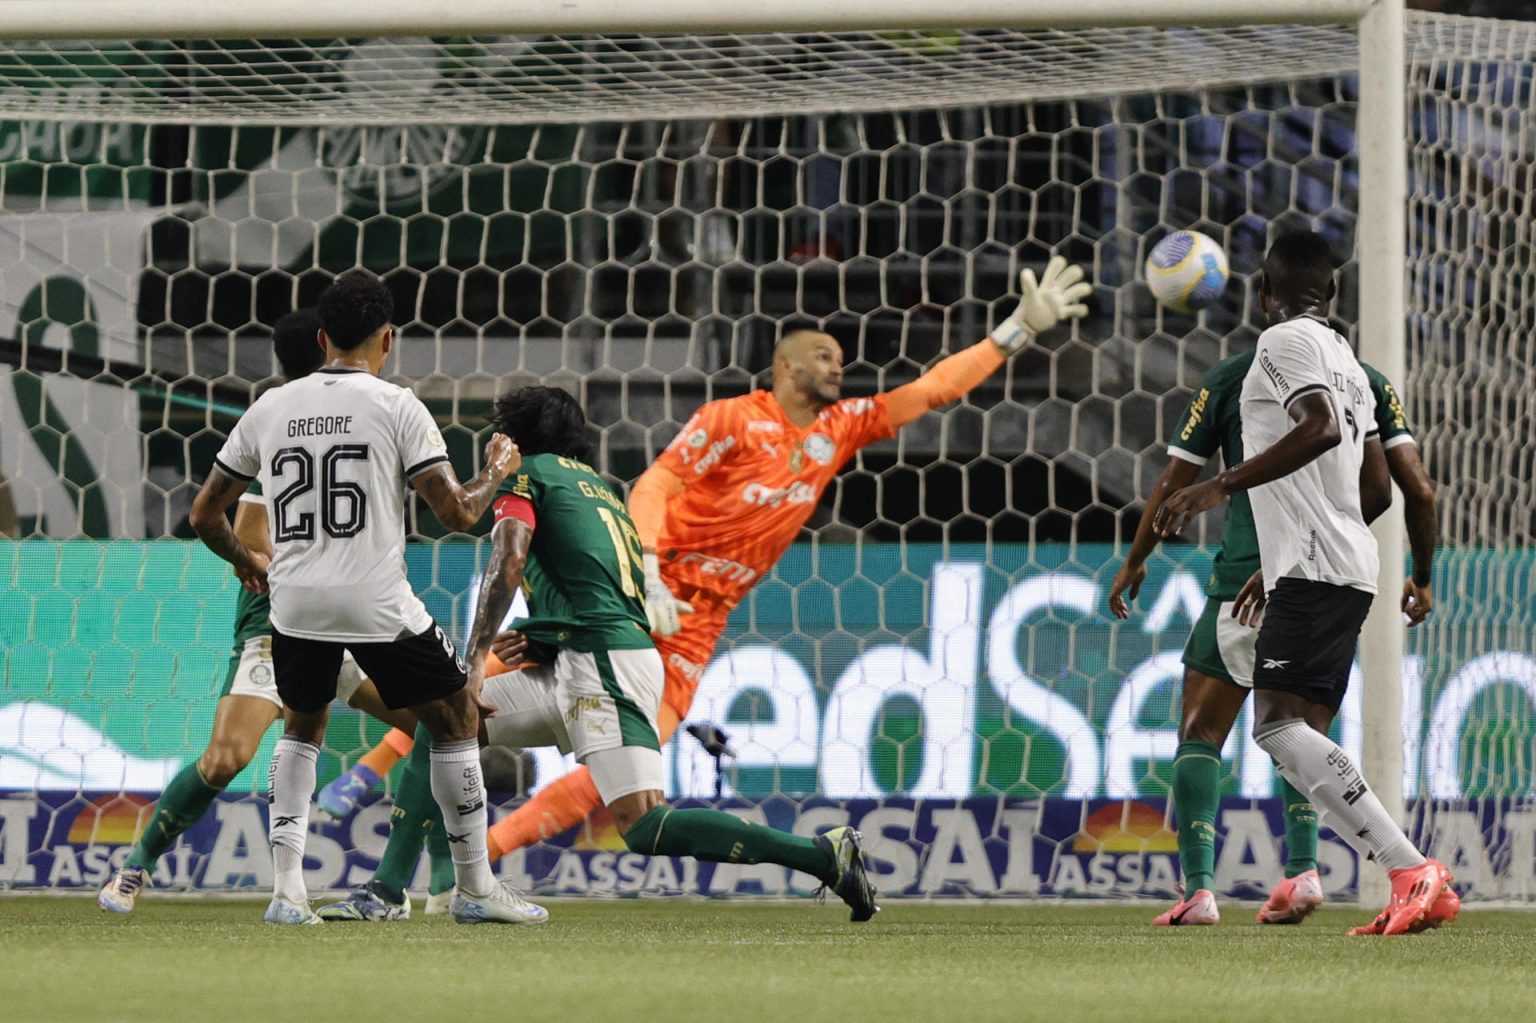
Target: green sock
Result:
[181, 805]
[1300, 830]
[1196, 797]
[720, 837]
[409, 820]
[443, 877]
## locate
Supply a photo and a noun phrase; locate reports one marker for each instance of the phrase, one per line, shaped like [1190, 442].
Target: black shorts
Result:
[1307, 640]
[417, 669]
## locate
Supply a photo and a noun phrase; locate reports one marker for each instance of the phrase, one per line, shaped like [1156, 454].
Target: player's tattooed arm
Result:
[251, 527]
[208, 519]
[510, 540]
[459, 506]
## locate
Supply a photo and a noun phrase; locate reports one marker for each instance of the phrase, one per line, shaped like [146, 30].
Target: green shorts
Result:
[1221, 646]
[600, 705]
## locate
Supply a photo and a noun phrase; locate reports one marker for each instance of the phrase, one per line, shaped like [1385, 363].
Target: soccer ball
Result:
[1186, 271]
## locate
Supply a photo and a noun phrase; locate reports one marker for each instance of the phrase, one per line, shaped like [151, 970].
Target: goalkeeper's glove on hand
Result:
[663, 610]
[1057, 296]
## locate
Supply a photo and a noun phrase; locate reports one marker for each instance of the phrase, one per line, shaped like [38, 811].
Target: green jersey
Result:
[584, 580]
[1213, 423]
[253, 611]
[1391, 420]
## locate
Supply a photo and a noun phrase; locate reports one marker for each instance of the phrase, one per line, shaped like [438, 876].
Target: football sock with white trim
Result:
[460, 794]
[290, 784]
[1316, 765]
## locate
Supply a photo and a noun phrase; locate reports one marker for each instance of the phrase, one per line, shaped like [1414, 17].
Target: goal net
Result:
[637, 218]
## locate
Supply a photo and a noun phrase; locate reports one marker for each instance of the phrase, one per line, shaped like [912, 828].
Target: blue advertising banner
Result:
[1055, 848]
[893, 686]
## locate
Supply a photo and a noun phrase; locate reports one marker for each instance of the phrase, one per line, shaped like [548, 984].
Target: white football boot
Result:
[504, 905]
[439, 904]
[121, 894]
[282, 911]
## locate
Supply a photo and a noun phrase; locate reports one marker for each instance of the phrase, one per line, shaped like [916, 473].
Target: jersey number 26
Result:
[343, 504]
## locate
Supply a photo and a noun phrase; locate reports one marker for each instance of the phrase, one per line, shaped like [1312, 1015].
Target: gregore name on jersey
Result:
[336, 509]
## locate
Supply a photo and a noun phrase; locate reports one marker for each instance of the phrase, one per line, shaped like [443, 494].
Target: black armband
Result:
[1420, 576]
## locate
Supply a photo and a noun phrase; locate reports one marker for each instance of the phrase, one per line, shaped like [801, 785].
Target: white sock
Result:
[1314, 764]
[290, 784]
[457, 787]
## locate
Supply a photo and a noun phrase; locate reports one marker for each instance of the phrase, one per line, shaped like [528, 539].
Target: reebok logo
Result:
[1271, 663]
[285, 822]
[458, 839]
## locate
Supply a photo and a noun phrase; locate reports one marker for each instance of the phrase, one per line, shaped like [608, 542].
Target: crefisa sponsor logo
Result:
[772, 497]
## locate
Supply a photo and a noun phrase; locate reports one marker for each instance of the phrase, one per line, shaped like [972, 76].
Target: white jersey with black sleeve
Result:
[1309, 523]
[334, 452]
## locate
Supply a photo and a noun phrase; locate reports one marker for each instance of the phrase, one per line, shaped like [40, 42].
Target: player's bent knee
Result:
[1194, 728]
[642, 833]
[454, 718]
[221, 761]
[1271, 735]
[627, 811]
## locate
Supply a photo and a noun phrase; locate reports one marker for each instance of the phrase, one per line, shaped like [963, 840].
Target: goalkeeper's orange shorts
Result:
[686, 653]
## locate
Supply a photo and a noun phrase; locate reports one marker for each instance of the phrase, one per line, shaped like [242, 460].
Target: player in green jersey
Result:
[595, 686]
[1219, 656]
[248, 701]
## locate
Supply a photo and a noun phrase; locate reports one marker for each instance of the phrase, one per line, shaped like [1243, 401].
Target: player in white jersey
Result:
[334, 452]
[1308, 414]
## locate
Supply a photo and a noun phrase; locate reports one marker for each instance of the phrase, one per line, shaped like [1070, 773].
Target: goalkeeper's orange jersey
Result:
[751, 479]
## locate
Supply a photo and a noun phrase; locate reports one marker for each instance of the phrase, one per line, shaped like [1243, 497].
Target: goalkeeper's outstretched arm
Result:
[1058, 295]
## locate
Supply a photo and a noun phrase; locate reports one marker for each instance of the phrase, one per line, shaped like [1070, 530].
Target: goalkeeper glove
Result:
[662, 609]
[1057, 296]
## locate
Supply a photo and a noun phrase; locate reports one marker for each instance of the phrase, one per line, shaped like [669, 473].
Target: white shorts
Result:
[250, 673]
[601, 706]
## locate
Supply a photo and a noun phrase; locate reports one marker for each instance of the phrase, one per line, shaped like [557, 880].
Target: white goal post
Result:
[297, 19]
[1379, 24]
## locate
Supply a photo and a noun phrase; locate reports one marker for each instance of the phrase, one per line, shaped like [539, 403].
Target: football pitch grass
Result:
[62, 960]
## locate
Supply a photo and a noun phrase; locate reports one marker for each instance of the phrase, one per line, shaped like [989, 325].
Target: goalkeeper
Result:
[1218, 659]
[725, 500]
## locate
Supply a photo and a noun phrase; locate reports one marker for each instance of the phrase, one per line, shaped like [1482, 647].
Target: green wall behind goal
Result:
[854, 672]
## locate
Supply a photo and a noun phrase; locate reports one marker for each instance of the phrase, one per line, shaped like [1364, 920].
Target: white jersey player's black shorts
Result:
[1307, 639]
[406, 672]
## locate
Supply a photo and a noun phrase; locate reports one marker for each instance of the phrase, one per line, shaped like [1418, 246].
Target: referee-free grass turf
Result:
[674, 961]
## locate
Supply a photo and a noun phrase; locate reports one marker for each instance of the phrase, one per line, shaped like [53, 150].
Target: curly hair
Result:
[542, 420]
[355, 308]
